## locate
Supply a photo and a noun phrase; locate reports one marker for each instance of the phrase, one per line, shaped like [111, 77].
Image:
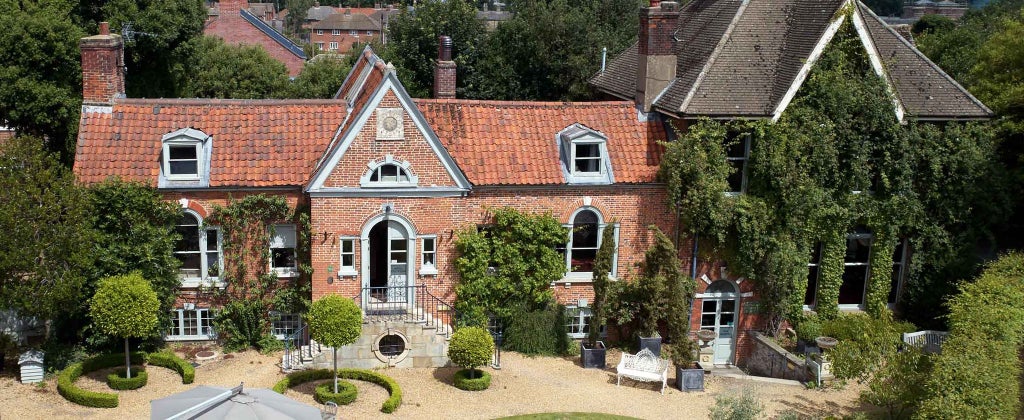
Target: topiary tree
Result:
[335, 321]
[125, 306]
[602, 267]
[471, 347]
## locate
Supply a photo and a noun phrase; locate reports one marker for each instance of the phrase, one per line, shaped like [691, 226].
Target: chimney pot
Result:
[444, 48]
[444, 72]
[669, 6]
[104, 28]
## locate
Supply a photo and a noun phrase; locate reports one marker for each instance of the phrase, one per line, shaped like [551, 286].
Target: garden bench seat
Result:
[643, 366]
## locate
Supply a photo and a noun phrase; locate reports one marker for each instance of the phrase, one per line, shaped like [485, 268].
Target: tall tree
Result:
[413, 38]
[47, 248]
[40, 71]
[206, 67]
[320, 78]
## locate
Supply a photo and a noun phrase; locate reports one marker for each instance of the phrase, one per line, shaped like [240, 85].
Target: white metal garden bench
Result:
[643, 366]
[930, 341]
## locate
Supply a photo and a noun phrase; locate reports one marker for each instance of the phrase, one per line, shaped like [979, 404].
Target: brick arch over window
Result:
[403, 213]
[570, 210]
[195, 206]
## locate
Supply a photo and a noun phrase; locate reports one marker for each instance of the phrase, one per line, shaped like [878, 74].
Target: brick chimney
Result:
[102, 67]
[656, 63]
[444, 73]
[231, 6]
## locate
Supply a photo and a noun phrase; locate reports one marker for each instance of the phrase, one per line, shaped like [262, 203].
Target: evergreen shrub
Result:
[172, 361]
[465, 381]
[540, 332]
[325, 392]
[118, 381]
[471, 347]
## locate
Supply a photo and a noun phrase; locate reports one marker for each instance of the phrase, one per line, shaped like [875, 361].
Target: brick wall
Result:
[444, 79]
[233, 29]
[656, 27]
[102, 67]
[344, 39]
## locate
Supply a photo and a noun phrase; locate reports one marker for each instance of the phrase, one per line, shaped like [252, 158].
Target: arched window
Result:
[388, 172]
[585, 236]
[198, 249]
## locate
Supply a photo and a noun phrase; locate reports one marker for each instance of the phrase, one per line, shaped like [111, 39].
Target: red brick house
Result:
[337, 33]
[389, 179]
[233, 22]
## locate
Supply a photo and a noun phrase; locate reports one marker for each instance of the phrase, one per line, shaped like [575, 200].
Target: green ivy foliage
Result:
[835, 160]
[508, 265]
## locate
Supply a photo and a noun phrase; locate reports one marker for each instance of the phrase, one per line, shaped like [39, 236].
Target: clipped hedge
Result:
[325, 392]
[66, 380]
[389, 406]
[171, 361]
[117, 380]
[465, 383]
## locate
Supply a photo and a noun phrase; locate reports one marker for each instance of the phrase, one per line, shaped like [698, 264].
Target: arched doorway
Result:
[719, 307]
[387, 256]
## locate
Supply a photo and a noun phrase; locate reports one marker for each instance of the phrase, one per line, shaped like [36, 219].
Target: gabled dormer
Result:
[185, 159]
[584, 155]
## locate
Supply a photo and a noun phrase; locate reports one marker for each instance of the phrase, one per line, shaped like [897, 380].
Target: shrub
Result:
[67, 389]
[744, 406]
[808, 329]
[171, 361]
[242, 325]
[125, 306]
[471, 347]
[899, 385]
[537, 332]
[104, 361]
[465, 381]
[864, 343]
[117, 380]
[346, 393]
[390, 405]
[335, 321]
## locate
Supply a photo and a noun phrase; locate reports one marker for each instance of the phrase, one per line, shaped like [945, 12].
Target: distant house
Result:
[951, 9]
[235, 23]
[338, 32]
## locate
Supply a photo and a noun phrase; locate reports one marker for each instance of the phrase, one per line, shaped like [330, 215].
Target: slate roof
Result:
[347, 22]
[515, 143]
[256, 143]
[738, 58]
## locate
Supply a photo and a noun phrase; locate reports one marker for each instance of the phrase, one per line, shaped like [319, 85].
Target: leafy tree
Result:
[471, 347]
[335, 321]
[931, 23]
[206, 67]
[46, 254]
[320, 78]
[40, 72]
[543, 54]
[885, 7]
[296, 15]
[602, 266]
[125, 306]
[413, 40]
[509, 264]
[899, 386]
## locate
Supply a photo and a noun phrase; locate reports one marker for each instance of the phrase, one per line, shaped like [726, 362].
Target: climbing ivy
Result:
[838, 159]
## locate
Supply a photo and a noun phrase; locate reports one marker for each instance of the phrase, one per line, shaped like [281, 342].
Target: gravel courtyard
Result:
[523, 385]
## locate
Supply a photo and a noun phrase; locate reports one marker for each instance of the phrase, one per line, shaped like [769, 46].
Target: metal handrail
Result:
[300, 338]
[409, 304]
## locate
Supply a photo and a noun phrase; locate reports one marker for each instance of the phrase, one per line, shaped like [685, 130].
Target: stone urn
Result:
[826, 343]
[706, 335]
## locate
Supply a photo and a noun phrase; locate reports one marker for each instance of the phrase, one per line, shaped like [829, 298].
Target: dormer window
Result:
[388, 173]
[185, 158]
[584, 154]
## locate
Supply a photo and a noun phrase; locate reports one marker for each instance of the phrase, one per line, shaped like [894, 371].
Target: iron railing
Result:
[407, 304]
[304, 346]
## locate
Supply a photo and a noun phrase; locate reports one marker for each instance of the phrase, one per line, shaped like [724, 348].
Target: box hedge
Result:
[389, 406]
[66, 380]
[116, 380]
[171, 361]
[325, 392]
[464, 382]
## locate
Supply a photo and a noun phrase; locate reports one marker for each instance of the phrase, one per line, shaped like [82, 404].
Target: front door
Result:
[389, 263]
[718, 313]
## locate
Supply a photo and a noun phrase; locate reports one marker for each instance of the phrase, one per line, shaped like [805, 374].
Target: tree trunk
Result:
[335, 370]
[127, 360]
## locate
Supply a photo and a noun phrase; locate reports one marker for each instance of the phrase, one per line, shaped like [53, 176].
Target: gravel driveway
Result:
[523, 385]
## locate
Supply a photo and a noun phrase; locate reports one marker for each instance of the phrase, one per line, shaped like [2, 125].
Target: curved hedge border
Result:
[465, 383]
[346, 393]
[389, 406]
[117, 380]
[66, 380]
[171, 361]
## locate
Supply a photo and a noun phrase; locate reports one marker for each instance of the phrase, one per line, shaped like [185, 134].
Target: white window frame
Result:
[820, 249]
[283, 322]
[354, 33]
[375, 166]
[577, 135]
[204, 279]
[744, 167]
[281, 240]
[319, 31]
[347, 270]
[600, 158]
[369, 33]
[428, 269]
[204, 331]
[867, 273]
[320, 46]
[580, 316]
[335, 32]
[899, 268]
[586, 276]
[333, 46]
[182, 143]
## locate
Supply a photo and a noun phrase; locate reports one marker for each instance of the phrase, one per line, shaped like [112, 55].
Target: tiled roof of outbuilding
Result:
[515, 143]
[256, 143]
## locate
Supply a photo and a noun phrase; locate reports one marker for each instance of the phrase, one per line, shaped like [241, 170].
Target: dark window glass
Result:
[391, 345]
[183, 152]
[584, 241]
[898, 269]
[851, 292]
[283, 257]
[588, 158]
[813, 271]
[737, 153]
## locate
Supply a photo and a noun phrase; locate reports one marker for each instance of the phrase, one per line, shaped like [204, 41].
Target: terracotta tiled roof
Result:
[347, 22]
[514, 143]
[256, 143]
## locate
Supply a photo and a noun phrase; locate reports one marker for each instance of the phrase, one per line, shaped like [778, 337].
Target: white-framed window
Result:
[388, 173]
[584, 155]
[813, 274]
[336, 32]
[585, 235]
[369, 33]
[428, 255]
[285, 325]
[199, 250]
[282, 251]
[737, 155]
[577, 321]
[900, 260]
[587, 159]
[319, 31]
[320, 46]
[353, 33]
[333, 46]
[191, 324]
[347, 265]
[856, 269]
[182, 160]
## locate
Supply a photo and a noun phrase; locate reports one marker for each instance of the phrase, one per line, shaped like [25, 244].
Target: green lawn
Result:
[568, 416]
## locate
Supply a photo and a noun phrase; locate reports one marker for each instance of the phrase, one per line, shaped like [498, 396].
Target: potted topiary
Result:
[660, 272]
[335, 321]
[806, 332]
[680, 289]
[592, 350]
[125, 306]
[471, 347]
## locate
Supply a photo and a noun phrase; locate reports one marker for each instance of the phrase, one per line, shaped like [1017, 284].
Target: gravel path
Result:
[523, 385]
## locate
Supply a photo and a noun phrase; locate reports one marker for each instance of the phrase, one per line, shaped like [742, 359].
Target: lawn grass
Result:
[568, 416]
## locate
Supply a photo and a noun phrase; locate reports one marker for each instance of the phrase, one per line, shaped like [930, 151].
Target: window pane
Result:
[736, 176]
[584, 230]
[190, 264]
[812, 285]
[428, 259]
[179, 167]
[588, 150]
[858, 250]
[346, 245]
[728, 306]
[583, 260]
[725, 319]
[725, 332]
[851, 292]
[211, 239]
[707, 320]
[212, 264]
[191, 326]
[398, 245]
[347, 260]
[709, 306]
[738, 147]
[428, 244]
[189, 237]
[183, 152]
[283, 257]
[389, 173]
[897, 273]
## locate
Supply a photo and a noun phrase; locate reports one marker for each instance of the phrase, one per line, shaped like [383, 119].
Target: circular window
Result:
[391, 345]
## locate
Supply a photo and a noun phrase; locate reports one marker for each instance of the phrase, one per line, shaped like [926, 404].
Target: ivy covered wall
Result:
[838, 159]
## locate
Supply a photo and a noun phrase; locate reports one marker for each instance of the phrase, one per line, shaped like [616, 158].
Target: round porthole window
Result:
[391, 345]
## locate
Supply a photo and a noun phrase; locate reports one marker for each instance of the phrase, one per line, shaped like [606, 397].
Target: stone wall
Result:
[424, 347]
[771, 360]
